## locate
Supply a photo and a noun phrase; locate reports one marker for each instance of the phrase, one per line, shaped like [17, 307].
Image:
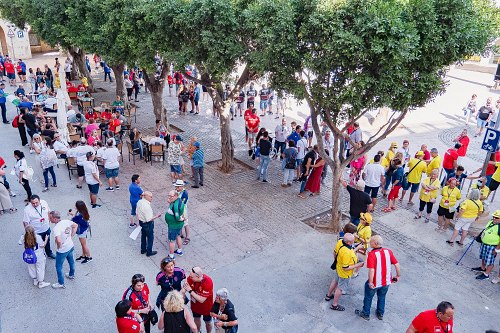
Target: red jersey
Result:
[449, 157]
[253, 122]
[135, 297]
[381, 260]
[1, 67]
[428, 322]
[169, 79]
[93, 115]
[128, 324]
[427, 155]
[490, 169]
[464, 141]
[19, 69]
[205, 288]
[9, 67]
[113, 124]
[248, 113]
[106, 115]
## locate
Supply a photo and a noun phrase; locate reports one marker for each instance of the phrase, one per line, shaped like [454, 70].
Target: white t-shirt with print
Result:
[63, 230]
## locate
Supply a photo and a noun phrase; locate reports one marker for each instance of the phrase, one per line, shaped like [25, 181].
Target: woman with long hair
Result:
[176, 317]
[169, 279]
[36, 270]
[82, 217]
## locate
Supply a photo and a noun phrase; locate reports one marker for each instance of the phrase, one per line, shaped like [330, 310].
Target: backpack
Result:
[15, 122]
[29, 255]
[185, 97]
[292, 162]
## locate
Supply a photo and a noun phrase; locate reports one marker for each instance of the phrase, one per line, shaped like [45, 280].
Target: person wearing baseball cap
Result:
[416, 167]
[363, 235]
[490, 247]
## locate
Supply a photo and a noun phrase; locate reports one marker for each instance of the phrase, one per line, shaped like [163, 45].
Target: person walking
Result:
[135, 191]
[490, 247]
[82, 218]
[470, 109]
[198, 159]
[63, 233]
[200, 288]
[428, 194]
[138, 294]
[36, 270]
[483, 116]
[146, 221]
[48, 159]
[223, 312]
[345, 264]
[92, 179]
[265, 150]
[379, 264]
[5, 201]
[36, 214]
[373, 175]
[21, 169]
[176, 318]
[175, 220]
[435, 320]
[469, 212]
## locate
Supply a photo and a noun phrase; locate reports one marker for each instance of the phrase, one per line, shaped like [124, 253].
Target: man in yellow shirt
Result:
[449, 197]
[495, 179]
[435, 162]
[470, 210]
[346, 262]
[484, 191]
[416, 167]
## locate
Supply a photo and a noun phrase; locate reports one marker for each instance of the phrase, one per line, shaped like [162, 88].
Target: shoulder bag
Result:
[334, 265]
[479, 237]
[405, 175]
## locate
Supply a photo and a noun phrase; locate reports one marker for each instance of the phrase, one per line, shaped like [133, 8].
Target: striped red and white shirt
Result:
[381, 260]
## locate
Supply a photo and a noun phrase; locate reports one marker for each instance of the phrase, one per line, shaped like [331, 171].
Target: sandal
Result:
[337, 307]
[393, 208]
[426, 220]
[13, 210]
[387, 210]
[417, 217]
[78, 186]
[186, 241]
[300, 195]
[458, 242]
[328, 298]
[449, 243]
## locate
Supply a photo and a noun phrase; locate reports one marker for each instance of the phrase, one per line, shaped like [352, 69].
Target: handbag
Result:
[405, 175]
[334, 265]
[152, 316]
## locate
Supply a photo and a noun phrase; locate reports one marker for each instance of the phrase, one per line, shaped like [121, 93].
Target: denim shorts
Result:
[134, 208]
[481, 123]
[176, 169]
[299, 161]
[263, 105]
[11, 76]
[111, 173]
[414, 187]
[93, 188]
[173, 234]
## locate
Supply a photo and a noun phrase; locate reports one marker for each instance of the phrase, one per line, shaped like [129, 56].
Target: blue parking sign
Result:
[490, 140]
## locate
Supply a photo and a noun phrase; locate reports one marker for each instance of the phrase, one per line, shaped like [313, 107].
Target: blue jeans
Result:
[138, 146]
[369, 294]
[60, 257]
[280, 147]
[46, 176]
[147, 236]
[262, 169]
[4, 112]
[107, 74]
[445, 179]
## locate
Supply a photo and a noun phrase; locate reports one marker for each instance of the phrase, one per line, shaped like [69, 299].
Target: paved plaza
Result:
[249, 236]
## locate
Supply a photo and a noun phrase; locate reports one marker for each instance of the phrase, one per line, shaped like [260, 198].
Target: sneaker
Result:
[58, 286]
[86, 260]
[32, 151]
[478, 269]
[96, 206]
[52, 256]
[117, 187]
[110, 189]
[495, 280]
[264, 181]
[71, 277]
[179, 252]
[380, 317]
[43, 284]
[12, 194]
[482, 277]
[35, 282]
[45, 189]
[80, 258]
[151, 254]
[132, 225]
[361, 315]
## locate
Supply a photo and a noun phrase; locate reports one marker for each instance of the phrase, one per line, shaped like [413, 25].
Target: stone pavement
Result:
[249, 237]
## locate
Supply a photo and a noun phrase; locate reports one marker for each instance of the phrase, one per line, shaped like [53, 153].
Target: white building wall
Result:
[18, 46]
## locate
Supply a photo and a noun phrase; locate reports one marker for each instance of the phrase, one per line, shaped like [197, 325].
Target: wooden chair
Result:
[120, 149]
[72, 166]
[105, 105]
[132, 112]
[74, 137]
[131, 151]
[157, 150]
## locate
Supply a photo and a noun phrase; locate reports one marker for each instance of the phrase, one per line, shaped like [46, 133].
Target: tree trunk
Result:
[120, 85]
[156, 89]
[226, 139]
[334, 224]
[79, 67]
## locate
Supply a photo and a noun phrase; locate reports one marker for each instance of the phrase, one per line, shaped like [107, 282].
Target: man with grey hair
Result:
[469, 212]
[379, 263]
[360, 202]
[223, 312]
[344, 264]
[64, 231]
[146, 217]
[201, 291]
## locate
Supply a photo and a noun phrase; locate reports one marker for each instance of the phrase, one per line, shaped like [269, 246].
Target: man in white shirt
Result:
[157, 140]
[80, 152]
[111, 165]
[281, 132]
[67, 69]
[48, 105]
[405, 150]
[302, 150]
[60, 146]
[36, 214]
[146, 218]
[91, 173]
[373, 176]
[64, 231]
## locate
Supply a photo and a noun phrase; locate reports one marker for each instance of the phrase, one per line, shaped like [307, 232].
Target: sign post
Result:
[490, 143]
[11, 35]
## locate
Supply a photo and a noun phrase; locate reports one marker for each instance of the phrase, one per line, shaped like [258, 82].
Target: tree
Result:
[222, 44]
[348, 57]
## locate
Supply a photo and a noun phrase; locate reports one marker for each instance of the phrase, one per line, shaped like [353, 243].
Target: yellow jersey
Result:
[419, 167]
[471, 209]
[449, 197]
[485, 191]
[386, 160]
[365, 232]
[345, 258]
[425, 195]
[435, 163]
[496, 175]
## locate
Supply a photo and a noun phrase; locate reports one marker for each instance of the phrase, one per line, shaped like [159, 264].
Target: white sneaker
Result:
[43, 284]
[31, 151]
[35, 282]
[495, 280]
[58, 286]
[71, 277]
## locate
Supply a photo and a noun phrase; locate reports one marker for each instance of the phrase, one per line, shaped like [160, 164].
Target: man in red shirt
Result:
[252, 122]
[126, 320]
[248, 113]
[439, 320]
[114, 123]
[450, 161]
[11, 72]
[201, 289]
[379, 264]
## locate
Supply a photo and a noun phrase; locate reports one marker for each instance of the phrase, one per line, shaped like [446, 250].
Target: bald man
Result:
[344, 264]
[146, 218]
[379, 264]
